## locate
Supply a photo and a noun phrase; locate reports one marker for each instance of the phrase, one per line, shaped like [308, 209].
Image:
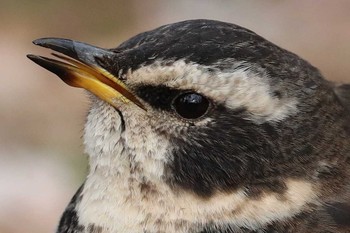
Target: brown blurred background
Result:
[41, 119]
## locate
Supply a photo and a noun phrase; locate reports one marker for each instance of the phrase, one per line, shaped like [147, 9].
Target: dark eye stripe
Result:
[159, 97]
[186, 104]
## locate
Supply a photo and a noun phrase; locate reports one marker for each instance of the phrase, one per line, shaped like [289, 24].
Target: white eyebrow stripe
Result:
[236, 88]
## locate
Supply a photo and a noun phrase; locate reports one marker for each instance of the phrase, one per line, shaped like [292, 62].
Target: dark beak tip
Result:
[30, 56]
[33, 57]
[41, 61]
[37, 41]
[44, 42]
[37, 59]
[54, 43]
[82, 52]
[61, 45]
[48, 64]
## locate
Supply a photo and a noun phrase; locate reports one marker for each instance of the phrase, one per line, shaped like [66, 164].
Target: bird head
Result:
[207, 108]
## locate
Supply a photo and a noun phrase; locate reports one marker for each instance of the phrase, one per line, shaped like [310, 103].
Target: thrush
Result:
[204, 126]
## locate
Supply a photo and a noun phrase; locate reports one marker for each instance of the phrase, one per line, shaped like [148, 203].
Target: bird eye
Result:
[191, 105]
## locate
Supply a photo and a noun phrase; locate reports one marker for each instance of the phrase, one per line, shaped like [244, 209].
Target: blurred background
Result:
[41, 119]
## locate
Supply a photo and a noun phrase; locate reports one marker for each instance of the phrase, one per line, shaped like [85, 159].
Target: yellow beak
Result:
[82, 69]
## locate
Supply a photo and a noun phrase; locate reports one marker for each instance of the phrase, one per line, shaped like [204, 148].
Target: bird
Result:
[203, 126]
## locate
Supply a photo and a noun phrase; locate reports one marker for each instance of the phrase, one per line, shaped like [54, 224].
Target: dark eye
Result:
[191, 105]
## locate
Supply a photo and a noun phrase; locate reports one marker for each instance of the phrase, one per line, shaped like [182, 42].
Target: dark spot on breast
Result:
[69, 222]
[92, 228]
[148, 190]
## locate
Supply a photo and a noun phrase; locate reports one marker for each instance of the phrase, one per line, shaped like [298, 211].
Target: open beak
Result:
[80, 68]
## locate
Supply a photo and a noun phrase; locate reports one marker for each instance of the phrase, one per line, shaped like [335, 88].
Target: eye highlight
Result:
[191, 105]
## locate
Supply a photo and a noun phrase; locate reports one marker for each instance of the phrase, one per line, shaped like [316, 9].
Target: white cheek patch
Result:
[241, 88]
